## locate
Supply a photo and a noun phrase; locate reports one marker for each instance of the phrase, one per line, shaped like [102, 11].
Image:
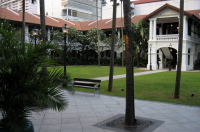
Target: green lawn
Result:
[160, 87]
[157, 87]
[94, 71]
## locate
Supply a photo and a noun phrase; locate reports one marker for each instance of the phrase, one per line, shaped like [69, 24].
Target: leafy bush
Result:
[197, 65]
[24, 85]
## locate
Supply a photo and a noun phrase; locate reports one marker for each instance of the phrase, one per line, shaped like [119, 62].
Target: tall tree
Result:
[180, 45]
[130, 105]
[97, 15]
[122, 34]
[112, 47]
[42, 21]
[23, 20]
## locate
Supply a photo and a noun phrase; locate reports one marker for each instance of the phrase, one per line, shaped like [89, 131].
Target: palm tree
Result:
[178, 72]
[42, 21]
[140, 39]
[112, 47]
[130, 106]
[23, 86]
[23, 20]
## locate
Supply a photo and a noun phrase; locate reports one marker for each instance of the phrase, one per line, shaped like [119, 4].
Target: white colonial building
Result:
[163, 19]
[163, 38]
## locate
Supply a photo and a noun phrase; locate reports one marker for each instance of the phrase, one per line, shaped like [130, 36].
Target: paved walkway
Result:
[85, 110]
[124, 75]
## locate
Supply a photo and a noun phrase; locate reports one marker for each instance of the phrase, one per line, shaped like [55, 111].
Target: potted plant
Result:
[24, 86]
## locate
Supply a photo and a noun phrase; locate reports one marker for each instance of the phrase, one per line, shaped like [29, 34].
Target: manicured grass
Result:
[156, 87]
[95, 71]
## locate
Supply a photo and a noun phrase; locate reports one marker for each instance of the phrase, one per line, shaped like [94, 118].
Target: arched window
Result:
[188, 56]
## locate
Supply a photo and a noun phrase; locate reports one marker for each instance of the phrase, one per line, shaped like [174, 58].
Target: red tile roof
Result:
[195, 13]
[168, 6]
[87, 25]
[58, 22]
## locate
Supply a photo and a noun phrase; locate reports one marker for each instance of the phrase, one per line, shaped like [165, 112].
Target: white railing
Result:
[171, 37]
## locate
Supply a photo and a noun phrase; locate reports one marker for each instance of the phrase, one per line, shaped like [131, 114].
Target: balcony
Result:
[170, 37]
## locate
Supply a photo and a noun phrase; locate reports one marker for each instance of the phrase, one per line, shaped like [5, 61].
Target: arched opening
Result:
[166, 58]
[188, 56]
[106, 54]
[54, 53]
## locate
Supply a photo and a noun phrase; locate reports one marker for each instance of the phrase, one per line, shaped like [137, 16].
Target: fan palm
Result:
[23, 86]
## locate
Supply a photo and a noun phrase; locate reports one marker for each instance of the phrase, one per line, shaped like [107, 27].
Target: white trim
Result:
[13, 11]
[34, 15]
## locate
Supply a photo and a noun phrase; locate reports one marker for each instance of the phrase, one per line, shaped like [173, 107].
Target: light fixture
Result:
[65, 28]
[35, 32]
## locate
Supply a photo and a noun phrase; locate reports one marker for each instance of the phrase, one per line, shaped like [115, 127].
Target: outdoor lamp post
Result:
[170, 50]
[150, 46]
[65, 31]
[35, 34]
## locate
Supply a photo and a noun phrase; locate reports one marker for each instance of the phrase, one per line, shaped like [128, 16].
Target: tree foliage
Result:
[93, 38]
[23, 86]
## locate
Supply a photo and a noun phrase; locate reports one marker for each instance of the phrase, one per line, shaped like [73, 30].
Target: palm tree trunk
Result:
[112, 47]
[130, 105]
[43, 30]
[42, 21]
[122, 37]
[178, 72]
[23, 20]
[97, 13]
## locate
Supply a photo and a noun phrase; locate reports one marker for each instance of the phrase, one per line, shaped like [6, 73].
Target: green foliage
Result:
[23, 85]
[197, 65]
[74, 35]
[108, 42]
[140, 38]
[93, 37]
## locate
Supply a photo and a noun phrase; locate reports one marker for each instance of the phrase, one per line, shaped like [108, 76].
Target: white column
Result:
[150, 30]
[184, 66]
[185, 28]
[154, 29]
[48, 34]
[161, 59]
[26, 34]
[154, 58]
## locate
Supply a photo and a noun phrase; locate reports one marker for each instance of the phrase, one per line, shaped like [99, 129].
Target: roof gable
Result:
[167, 6]
[146, 1]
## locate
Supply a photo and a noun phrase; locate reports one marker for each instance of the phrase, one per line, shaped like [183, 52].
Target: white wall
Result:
[34, 8]
[54, 8]
[107, 11]
[146, 8]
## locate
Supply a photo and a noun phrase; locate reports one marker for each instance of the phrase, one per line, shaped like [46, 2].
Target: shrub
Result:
[24, 85]
[197, 65]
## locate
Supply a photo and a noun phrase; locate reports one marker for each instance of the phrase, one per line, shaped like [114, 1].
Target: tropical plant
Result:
[23, 85]
[140, 40]
[197, 65]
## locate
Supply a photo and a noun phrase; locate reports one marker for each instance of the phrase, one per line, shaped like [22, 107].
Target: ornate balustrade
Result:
[171, 37]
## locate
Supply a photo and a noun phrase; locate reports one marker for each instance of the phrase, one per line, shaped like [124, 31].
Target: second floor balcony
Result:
[170, 37]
